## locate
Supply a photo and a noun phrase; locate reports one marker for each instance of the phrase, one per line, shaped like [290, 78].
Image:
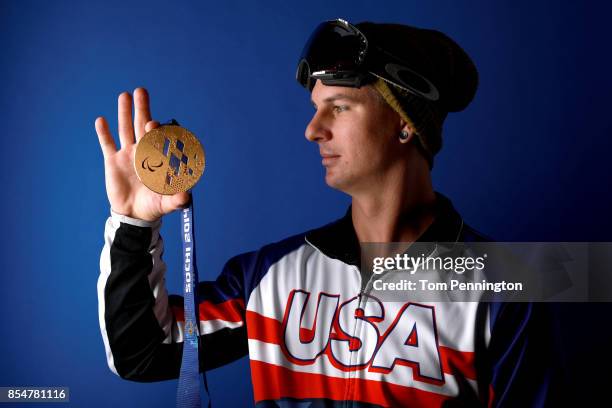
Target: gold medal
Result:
[169, 159]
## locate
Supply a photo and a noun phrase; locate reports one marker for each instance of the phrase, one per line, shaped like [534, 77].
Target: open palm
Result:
[126, 194]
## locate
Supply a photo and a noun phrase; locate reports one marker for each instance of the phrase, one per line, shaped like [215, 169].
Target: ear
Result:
[406, 134]
[406, 126]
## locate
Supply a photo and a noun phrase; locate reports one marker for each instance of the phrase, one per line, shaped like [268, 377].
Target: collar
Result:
[338, 239]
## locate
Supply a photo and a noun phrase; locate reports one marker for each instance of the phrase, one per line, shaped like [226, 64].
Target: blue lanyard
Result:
[188, 394]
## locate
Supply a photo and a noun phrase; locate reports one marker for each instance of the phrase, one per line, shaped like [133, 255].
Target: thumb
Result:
[182, 200]
[174, 202]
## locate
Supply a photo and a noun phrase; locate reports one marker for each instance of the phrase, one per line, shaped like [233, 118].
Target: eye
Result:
[340, 108]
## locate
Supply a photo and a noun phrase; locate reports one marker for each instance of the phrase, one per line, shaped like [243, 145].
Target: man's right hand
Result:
[126, 194]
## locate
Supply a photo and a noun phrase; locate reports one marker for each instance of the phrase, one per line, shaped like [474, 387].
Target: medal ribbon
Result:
[188, 394]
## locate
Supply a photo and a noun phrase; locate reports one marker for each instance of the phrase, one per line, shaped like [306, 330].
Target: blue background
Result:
[527, 161]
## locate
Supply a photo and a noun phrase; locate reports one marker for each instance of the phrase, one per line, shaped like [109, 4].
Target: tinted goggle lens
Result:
[338, 53]
[334, 48]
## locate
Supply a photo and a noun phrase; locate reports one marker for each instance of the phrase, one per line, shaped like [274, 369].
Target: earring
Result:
[403, 136]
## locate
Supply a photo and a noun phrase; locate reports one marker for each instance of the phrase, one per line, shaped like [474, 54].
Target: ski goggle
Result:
[339, 54]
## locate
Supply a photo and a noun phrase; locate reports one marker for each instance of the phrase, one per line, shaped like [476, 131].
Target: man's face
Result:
[357, 136]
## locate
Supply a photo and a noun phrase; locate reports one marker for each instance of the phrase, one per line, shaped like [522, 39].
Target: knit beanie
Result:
[436, 57]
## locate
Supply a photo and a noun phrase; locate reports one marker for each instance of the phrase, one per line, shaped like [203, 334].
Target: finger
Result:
[107, 143]
[151, 125]
[126, 130]
[142, 113]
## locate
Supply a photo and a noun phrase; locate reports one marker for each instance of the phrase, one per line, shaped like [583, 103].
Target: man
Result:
[301, 308]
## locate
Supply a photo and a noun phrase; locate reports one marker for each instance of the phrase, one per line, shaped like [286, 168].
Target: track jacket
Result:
[298, 308]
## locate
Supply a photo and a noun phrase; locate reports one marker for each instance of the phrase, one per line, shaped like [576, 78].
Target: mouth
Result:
[328, 159]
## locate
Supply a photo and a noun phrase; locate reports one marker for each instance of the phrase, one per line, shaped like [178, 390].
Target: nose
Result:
[317, 131]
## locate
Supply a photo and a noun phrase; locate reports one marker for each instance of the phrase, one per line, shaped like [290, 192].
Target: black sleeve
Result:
[141, 326]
